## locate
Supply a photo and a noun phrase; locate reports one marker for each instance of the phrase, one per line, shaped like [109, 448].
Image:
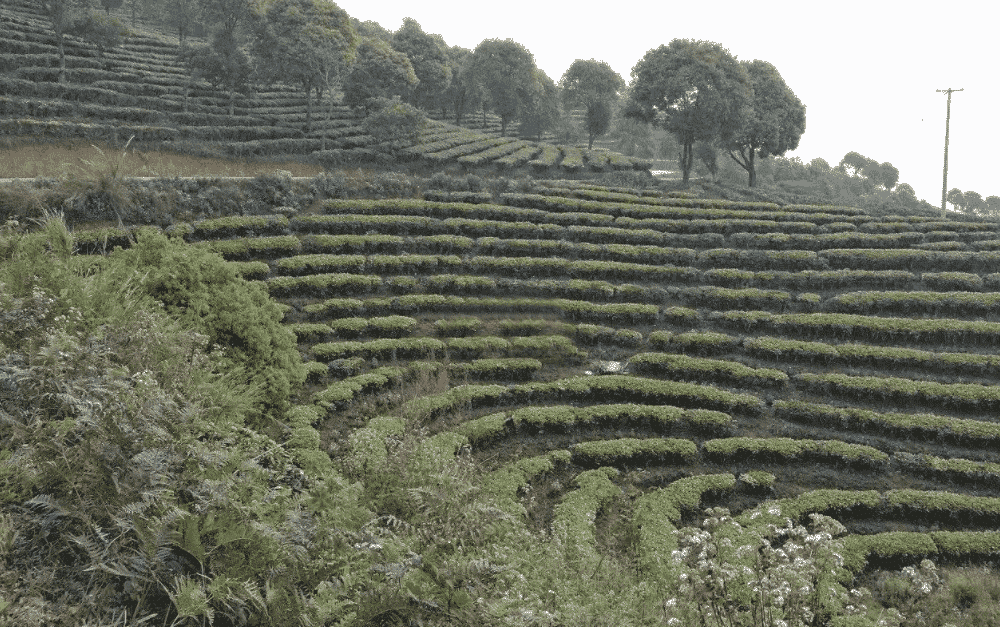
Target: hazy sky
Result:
[866, 71]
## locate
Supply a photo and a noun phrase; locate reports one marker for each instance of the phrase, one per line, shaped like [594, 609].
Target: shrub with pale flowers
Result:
[769, 576]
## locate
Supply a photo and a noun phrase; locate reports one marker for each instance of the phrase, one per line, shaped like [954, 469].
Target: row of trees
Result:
[695, 90]
[699, 92]
[972, 203]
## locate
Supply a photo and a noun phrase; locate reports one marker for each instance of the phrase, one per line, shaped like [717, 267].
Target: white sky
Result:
[866, 71]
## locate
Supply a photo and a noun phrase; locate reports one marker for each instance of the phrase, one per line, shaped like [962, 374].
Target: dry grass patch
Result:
[25, 159]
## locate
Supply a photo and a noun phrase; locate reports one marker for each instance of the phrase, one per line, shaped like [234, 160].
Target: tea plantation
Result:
[510, 394]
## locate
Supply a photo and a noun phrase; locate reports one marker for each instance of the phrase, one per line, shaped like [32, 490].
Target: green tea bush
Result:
[394, 122]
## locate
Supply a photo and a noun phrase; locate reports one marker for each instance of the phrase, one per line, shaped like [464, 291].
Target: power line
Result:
[947, 124]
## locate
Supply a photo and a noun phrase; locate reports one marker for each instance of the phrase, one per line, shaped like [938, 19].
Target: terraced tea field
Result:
[608, 362]
[805, 356]
[142, 90]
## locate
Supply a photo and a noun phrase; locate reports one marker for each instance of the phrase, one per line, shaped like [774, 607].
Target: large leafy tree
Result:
[696, 90]
[303, 42]
[179, 15]
[223, 64]
[505, 70]
[855, 163]
[378, 71]
[993, 205]
[875, 174]
[428, 55]
[370, 28]
[464, 94]
[594, 86]
[883, 174]
[103, 31]
[62, 14]
[541, 111]
[974, 203]
[228, 16]
[772, 124]
[956, 198]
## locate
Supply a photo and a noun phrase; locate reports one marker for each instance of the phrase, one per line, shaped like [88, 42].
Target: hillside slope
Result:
[141, 89]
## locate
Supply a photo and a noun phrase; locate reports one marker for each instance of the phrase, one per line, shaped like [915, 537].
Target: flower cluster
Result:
[774, 576]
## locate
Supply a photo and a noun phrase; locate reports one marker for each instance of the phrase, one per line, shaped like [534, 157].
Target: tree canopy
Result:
[696, 90]
[304, 42]
[541, 111]
[464, 93]
[378, 71]
[595, 86]
[428, 56]
[62, 14]
[772, 124]
[505, 70]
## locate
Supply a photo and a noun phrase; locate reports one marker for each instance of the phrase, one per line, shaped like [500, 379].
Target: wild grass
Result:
[25, 159]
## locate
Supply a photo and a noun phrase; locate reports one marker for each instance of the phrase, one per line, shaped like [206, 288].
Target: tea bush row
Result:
[921, 331]
[605, 389]
[962, 396]
[708, 370]
[487, 430]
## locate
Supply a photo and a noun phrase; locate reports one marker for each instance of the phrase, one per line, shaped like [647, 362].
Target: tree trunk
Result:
[752, 170]
[503, 127]
[590, 144]
[686, 160]
[62, 59]
[308, 106]
[232, 101]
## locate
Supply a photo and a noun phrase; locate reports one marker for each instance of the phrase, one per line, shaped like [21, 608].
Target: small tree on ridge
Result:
[594, 86]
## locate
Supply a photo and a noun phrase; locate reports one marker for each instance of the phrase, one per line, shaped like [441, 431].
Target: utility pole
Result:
[947, 124]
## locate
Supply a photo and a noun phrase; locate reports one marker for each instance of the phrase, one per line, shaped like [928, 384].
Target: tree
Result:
[181, 15]
[819, 167]
[541, 112]
[632, 138]
[884, 175]
[111, 4]
[705, 152]
[773, 123]
[103, 31]
[974, 202]
[378, 71]
[856, 163]
[993, 205]
[228, 15]
[62, 14]
[429, 58]
[303, 42]
[372, 29]
[905, 193]
[956, 198]
[506, 71]
[696, 90]
[594, 86]
[464, 93]
[223, 64]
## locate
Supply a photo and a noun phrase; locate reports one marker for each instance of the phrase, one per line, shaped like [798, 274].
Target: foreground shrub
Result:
[201, 290]
[763, 576]
[130, 484]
